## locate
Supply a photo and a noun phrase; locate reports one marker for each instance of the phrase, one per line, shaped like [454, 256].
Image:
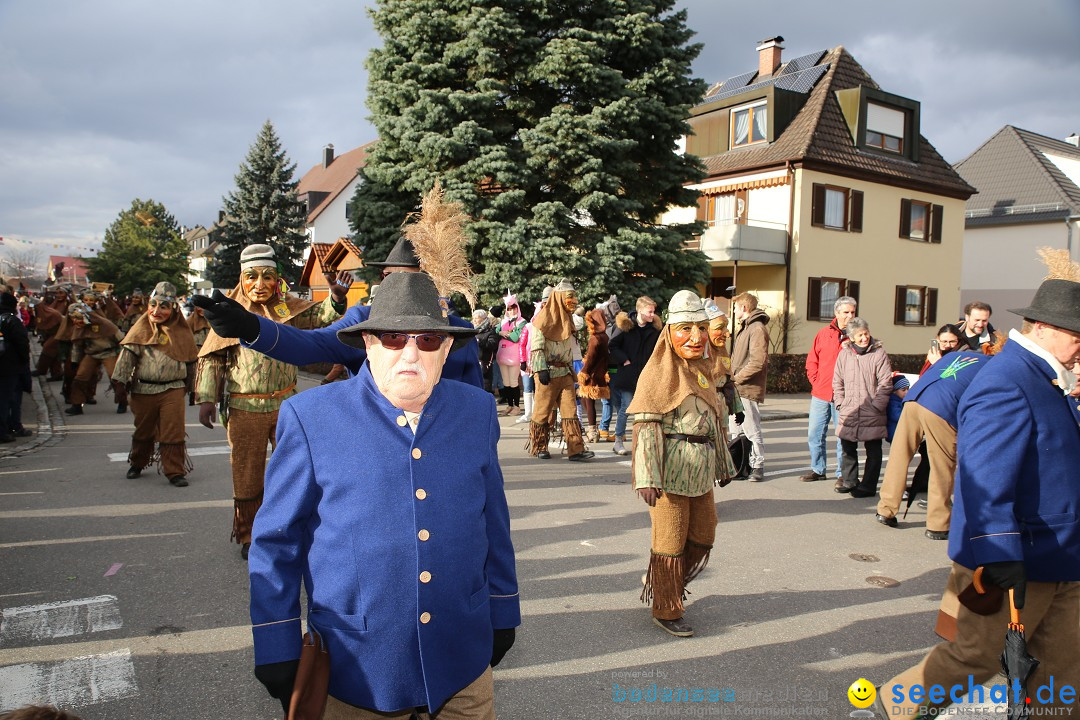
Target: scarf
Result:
[172, 337]
[279, 309]
[99, 327]
[554, 321]
[668, 379]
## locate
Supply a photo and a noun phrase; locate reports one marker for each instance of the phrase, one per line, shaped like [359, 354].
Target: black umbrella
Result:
[920, 481]
[1017, 664]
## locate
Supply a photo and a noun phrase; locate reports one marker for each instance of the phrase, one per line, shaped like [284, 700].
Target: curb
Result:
[783, 415]
[51, 428]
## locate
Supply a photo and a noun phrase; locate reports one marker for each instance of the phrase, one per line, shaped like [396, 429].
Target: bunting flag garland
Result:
[45, 245]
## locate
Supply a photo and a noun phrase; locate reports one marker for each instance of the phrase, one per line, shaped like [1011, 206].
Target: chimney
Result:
[769, 56]
[1073, 140]
[327, 155]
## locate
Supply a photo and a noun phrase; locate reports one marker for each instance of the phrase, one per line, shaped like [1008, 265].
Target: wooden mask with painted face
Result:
[259, 283]
[689, 339]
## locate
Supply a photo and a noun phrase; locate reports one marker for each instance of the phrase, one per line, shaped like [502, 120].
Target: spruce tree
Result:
[262, 209]
[142, 247]
[555, 124]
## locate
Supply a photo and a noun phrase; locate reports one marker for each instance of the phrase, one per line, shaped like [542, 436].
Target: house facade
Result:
[327, 189]
[326, 261]
[1029, 198]
[819, 184]
[202, 244]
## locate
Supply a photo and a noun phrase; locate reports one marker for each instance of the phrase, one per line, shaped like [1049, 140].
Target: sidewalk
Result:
[785, 407]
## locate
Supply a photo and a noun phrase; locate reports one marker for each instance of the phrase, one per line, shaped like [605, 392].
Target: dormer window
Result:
[885, 128]
[749, 124]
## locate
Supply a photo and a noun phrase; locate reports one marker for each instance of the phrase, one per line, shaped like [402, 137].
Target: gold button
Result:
[423, 535]
[425, 577]
[421, 494]
[416, 453]
[402, 421]
[425, 618]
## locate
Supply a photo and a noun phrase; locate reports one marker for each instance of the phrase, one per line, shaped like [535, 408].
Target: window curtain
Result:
[830, 291]
[913, 307]
[761, 119]
[742, 127]
[834, 208]
[725, 209]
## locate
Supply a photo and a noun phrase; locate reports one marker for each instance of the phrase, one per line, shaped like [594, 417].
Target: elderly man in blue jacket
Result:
[1017, 514]
[398, 527]
[303, 347]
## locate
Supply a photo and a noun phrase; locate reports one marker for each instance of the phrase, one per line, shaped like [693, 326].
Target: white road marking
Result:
[93, 538]
[192, 451]
[115, 511]
[78, 681]
[38, 492]
[24, 472]
[31, 623]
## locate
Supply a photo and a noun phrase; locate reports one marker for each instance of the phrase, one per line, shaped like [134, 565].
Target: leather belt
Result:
[559, 364]
[696, 439]
[276, 395]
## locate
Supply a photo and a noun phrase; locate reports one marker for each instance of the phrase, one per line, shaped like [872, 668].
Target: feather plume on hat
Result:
[1059, 264]
[437, 233]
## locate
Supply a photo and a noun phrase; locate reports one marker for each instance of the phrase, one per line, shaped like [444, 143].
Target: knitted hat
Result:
[257, 256]
[686, 306]
[711, 310]
[164, 292]
[900, 382]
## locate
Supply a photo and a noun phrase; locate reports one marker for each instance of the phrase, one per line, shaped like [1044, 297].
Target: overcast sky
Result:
[105, 101]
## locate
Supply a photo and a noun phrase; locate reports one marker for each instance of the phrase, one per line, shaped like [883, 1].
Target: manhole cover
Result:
[882, 581]
[860, 557]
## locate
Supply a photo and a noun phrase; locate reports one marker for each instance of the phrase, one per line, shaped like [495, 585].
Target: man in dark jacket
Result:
[978, 333]
[750, 369]
[820, 363]
[629, 351]
[14, 370]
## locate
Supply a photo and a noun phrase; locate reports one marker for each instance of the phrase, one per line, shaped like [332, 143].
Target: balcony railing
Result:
[743, 243]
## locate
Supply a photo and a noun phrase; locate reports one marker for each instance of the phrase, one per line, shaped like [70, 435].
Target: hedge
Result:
[787, 373]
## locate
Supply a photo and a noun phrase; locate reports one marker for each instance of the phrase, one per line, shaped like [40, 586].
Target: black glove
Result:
[544, 376]
[279, 679]
[227, 317]
[524, 367]
[503, 641]
[739, 417]
[1007, 574]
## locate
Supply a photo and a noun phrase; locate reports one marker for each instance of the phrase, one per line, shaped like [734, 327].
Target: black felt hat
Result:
[407, 302]
[1057, 303]
[403, 255]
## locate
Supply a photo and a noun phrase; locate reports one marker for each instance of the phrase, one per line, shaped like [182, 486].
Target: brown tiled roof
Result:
[1016, 181]
[317, 259]
[332, 180]
[819, 137]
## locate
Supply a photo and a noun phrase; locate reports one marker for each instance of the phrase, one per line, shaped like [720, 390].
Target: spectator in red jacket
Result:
[820, 363]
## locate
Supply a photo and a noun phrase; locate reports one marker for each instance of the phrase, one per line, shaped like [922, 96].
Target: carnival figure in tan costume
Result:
[680, 452]
[157, 365]
[95, 344]
[135, 310]
[250, 386]
[551, 348]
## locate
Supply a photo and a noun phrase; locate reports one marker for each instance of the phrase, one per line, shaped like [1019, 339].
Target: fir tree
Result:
[554, 123]
[375, 216]
[142, 247]
[262, 209]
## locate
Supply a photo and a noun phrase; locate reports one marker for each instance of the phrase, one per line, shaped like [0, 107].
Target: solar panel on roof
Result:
[739, 81]
[802, 81]
[802, 63]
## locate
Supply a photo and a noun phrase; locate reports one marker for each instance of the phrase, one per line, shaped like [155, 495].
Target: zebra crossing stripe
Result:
[29, 624]
[75, 682]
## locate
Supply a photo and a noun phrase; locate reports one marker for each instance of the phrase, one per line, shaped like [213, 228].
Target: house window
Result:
[749, 124]
[885, 128]
[838, 208]
[824, 292]
[723, 209]
[915, 305]
[920, 221]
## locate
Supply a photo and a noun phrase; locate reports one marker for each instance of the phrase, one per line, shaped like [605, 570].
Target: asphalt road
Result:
[125, 599]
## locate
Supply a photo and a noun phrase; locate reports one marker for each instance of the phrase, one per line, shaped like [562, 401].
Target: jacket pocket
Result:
[336, 621]
[1043, 521]
[478, 598]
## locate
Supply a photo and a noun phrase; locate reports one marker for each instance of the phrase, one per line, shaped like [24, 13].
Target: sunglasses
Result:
[427, 342]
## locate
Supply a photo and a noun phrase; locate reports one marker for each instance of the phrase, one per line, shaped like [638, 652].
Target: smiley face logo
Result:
[861, 693]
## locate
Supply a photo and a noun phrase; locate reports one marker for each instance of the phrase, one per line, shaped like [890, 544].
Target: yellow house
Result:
[819, 184]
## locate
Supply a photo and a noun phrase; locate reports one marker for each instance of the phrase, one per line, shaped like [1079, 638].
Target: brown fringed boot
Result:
[575, 443]
[697, 557]
[664, 590]
[140, 456]
[538, 440]
[243, 517]
[175, 463]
